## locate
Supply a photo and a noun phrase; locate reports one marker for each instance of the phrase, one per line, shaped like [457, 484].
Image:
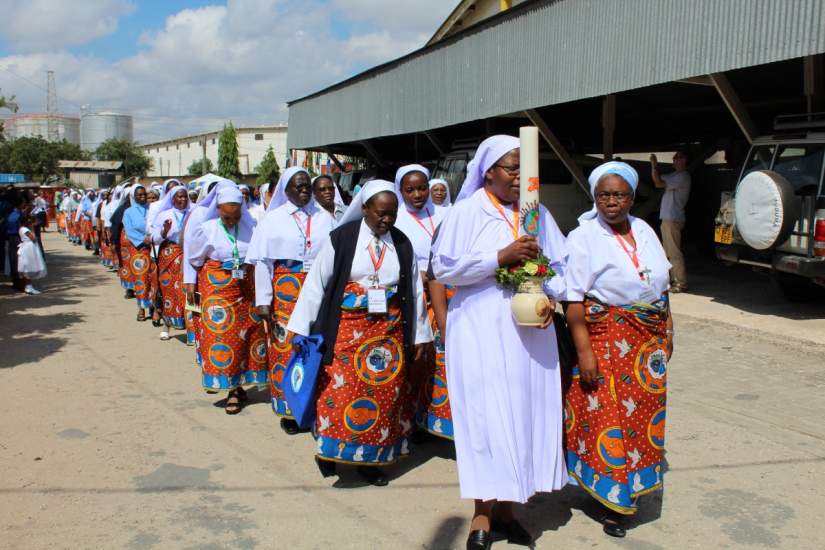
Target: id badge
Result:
[377, 301]
[649, 295]
[238, 273]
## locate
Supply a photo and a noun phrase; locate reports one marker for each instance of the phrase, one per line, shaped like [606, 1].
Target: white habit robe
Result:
[504, 380]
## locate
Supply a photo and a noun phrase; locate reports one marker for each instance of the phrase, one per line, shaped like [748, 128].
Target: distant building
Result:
[37, 124]
[95, 128]
[95, 174]
[173, 157]
[469, 12]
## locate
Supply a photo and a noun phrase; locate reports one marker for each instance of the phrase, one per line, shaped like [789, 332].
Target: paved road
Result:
[107, 441]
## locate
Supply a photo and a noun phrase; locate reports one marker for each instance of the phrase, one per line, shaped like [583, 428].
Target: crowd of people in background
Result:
[23, 216]
[418, 337]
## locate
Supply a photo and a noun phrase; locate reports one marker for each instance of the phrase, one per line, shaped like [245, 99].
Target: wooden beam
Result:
[735, 106]
[372, 152]
[702, 80]
[335, 160]
[608, 125]
[436, 141]
[559, 149]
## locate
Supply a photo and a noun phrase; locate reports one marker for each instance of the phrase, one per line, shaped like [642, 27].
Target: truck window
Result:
[760, 159]
[801, 165]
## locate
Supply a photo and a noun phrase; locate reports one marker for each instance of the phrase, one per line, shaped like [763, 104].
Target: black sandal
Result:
[230, 407]
[373, 475]
[289, 426]
[614, 526]
[326, 467]
[242, 395]
[141, 316]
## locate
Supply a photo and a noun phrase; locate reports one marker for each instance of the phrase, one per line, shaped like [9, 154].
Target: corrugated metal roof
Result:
[90, 164]
[551, 52]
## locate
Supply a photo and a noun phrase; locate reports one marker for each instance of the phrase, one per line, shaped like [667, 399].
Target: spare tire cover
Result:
[766, 209]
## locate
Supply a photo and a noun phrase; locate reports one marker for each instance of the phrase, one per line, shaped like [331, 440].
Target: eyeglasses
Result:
[510, 170]
[604, 196]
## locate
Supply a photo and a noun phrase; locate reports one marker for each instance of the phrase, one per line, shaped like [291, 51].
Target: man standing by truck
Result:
[672, 213]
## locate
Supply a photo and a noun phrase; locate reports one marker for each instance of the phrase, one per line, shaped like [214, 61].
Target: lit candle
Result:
[529, 184]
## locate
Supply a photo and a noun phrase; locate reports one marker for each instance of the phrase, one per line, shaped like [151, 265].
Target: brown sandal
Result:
[233, 404]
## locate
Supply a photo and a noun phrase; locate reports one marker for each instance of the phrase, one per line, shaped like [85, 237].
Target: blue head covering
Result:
[621, 169]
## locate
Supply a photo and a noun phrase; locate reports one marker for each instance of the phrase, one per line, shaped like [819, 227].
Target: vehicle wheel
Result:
[795, 288]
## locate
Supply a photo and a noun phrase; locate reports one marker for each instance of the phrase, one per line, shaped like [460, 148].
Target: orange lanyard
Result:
[430, 231]
[306, 232]
[514, 224]
[379, 261]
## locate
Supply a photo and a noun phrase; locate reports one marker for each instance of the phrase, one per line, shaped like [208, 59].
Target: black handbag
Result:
[568, 358]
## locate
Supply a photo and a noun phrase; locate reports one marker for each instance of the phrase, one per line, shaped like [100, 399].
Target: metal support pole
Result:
[735, 105]
[372, 152]
[335, 160]
[559, 149]
[608, 125]
[436, 141]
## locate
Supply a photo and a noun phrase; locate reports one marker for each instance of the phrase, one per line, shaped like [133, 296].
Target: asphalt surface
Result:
[107, 441]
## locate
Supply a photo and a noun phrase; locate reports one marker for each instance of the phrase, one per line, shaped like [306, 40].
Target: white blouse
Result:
[322, 272]
[210, 242]
[177, 217]
[599, 267]
[419, 227]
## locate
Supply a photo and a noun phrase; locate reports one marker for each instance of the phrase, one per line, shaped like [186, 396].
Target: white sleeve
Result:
[423, 329]
[190, 273]
[198, 246]
[579, 276]
[263, 282]
[466, 269]
[312, 292]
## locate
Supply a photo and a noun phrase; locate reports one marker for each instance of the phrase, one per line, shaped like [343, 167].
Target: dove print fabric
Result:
[616, 434]
[137, 271]
[437, 418]
[288, 278]
[231, 340]
[365, 406]
[170, 278]
[125, 274]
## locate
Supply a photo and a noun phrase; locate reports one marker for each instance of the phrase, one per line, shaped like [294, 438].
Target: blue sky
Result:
[187, 66]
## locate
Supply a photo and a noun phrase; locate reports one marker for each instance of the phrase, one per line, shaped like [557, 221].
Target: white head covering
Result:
[203, 183]
[263, 190]
[403, 171]
[487, 154]
[166, 202]
[370, 189]
[225, 194]
[621, 169]
[448, 200]
[279, 196]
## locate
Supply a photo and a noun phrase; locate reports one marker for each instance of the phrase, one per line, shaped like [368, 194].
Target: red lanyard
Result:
[377, 262]
[306, 232]
[514, 225]
[430, 231]
[631, 252]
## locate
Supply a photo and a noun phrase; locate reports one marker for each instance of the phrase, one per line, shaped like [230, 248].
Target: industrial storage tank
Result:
[37, 124]
[95, 128]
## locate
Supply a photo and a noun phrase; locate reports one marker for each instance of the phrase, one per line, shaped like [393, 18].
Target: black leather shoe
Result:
[614, 526]
[373, 475]
[479, 540]
[326, 467]
[289, 426]
[513, 530]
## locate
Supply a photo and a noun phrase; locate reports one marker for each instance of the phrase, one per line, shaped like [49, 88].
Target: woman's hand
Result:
[517, 252]
[189, 290]
[589, 369]
[547, 311]
[167, 225]
[262, 311]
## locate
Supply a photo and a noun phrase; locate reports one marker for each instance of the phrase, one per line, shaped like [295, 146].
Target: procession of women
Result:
[408, 292]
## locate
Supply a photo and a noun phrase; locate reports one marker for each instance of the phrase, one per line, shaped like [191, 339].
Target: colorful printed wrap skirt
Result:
[616, 433]
[127, 281]
[141, 270]
[365, 407]
[73, 228]
[85, 230]
[106, 253]
[231, 342]
[287, 279]
[437, 418]
[170, 277]
[61, 222]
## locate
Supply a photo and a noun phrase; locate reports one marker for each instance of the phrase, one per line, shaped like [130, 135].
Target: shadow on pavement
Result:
[745, 289]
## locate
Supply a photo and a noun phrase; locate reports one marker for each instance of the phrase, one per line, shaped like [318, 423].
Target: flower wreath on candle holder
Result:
[514, 276]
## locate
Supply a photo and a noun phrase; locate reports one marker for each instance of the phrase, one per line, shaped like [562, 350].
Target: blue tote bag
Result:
[301, 378]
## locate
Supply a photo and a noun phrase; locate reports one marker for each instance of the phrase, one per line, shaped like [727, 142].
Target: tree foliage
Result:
[200, 167]
[135, 161]
[228, 164]
[268, 169]
[37, 158]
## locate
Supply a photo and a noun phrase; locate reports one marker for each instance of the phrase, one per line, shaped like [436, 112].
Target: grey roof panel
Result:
[551, 52]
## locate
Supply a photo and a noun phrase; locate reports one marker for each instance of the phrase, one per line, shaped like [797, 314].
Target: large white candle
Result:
[529, 184]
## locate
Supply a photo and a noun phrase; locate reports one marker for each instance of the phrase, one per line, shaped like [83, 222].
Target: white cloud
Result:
[43, 25]
[238, 62]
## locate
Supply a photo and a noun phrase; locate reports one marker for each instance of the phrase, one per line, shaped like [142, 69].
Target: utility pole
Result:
[51, 107]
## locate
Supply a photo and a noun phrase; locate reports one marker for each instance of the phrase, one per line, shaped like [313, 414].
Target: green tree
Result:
[135, 161]
[268, 169]
[37, 158]
[11, 105]
[200, 167]
[228, 165]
